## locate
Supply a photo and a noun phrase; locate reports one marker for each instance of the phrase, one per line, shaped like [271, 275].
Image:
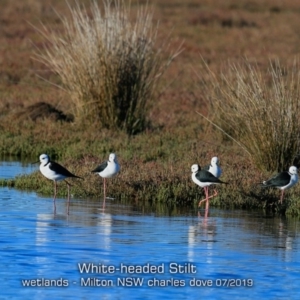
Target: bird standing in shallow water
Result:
[283, 180]
[204, 179]
[107, 169]
[55, 172]
[214, 169]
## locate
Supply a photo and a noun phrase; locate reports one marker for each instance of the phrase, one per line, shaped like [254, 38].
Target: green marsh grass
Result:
[157, 183]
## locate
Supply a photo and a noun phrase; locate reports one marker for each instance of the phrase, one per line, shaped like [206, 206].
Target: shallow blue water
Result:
[11, 168]
[236, 254]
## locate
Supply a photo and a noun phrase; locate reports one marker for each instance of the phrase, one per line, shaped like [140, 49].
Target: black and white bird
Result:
[204, 179]
[214, 167]
[283, 180]
[107, 169]
[55, 172]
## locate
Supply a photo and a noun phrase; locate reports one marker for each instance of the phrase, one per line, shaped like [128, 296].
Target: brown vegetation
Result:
[216, 31]
[259, 111]
[42, 110]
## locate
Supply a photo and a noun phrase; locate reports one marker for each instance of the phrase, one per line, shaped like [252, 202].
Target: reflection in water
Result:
[102, 223]
[272, 233]
[224, 245]
[105, 222]
[203, 232]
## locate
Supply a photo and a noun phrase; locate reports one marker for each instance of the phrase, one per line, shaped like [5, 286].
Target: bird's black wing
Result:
[205, 176]
[56, 167]
[281, 179]
[100, 168]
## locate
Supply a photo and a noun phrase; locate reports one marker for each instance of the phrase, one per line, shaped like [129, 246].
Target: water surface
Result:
[229, 255]
[11, 167]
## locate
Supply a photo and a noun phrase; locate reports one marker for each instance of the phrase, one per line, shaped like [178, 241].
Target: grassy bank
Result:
[155, 168]
[155, 164]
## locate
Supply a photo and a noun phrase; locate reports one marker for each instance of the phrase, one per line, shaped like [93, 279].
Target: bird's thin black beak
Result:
[33, 163]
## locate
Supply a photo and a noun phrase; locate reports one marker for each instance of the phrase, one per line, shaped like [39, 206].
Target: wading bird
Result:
[214, 169]
[283, 180]
[107, 169]
[55, 172]
[204, 179]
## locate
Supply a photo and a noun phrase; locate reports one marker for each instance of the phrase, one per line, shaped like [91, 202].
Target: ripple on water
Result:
[229, 246]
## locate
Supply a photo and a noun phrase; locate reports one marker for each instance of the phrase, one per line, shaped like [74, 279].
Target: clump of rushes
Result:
[109, 65]
[259, 111]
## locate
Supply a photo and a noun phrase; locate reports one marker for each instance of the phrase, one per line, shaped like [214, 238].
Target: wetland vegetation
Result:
[234, 62]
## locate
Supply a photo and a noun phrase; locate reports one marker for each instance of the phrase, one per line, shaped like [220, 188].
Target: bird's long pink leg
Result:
[104, 192]
[211, 196]
[281, 198]
[205, 214]
[55, 191]
[68, 205]
[207, 202]
[215, 192]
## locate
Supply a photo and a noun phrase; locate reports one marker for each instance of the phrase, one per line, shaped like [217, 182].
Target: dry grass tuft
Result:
[109, 65]
[259, 111]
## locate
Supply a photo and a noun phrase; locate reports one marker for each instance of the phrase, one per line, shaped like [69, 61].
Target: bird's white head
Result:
[112, 157]
[293, 170]
[44, 158]
[195, 168]
[214, 160]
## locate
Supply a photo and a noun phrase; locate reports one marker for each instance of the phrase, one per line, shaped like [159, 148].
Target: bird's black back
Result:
[205, 176]
[278, 180]
[56, 167]
[100, 168]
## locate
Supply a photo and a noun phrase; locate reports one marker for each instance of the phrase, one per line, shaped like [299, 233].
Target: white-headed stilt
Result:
[204, 179]
[214, 168]
[107, 169]
[55, 172]
[283, 180]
